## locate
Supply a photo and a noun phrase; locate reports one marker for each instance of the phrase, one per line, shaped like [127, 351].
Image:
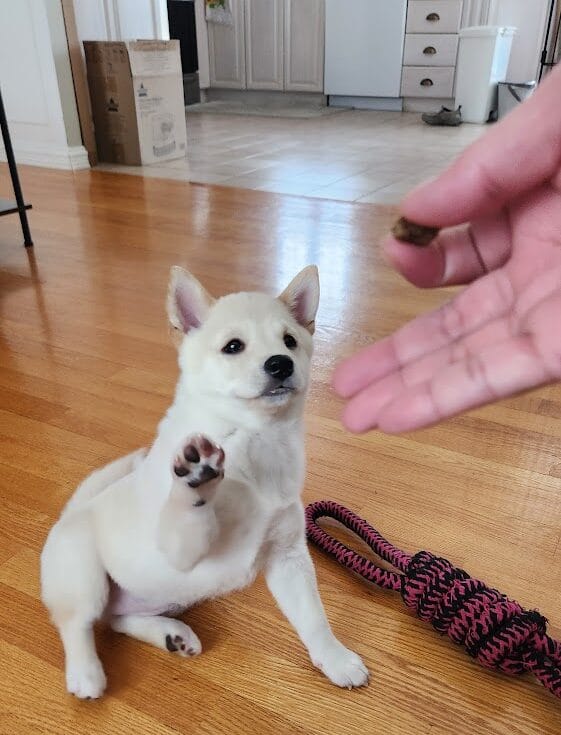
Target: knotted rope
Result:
[496, 631]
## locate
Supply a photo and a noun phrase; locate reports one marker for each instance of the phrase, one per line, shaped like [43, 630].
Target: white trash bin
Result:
[483, 56]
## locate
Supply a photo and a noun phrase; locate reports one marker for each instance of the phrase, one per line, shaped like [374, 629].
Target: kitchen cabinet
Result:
[264, 42]
[427, 81]
[226, 50]
[304, 41]
[431, 45]
[434, 16]
[275, 45]
[439, 49]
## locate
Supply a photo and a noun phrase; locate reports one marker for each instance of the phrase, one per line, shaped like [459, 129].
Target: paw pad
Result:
[199, 460]
[177, 643]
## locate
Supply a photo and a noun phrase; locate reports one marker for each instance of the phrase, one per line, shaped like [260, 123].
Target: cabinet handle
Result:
[429, 51]
[433, 17]
[426, 82]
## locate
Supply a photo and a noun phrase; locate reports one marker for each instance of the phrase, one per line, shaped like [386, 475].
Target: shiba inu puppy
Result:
[213, 502]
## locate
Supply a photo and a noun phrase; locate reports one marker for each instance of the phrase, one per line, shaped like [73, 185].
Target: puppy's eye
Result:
[233, 346]
[290, 342]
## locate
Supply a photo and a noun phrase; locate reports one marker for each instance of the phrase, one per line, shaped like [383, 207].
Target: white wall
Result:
[142, 18]
[475, 12]
[92, 20]
[119, 20]
[202, 44]
[30, 86]
[59, 47]
[529, 16]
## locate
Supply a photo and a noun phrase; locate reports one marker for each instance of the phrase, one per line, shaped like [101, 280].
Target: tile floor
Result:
[352, 156]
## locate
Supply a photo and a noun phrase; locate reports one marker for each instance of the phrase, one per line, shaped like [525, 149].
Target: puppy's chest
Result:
[272, 464]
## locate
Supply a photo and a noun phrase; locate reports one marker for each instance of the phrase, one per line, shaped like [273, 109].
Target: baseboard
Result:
[393, 104]
[263, 97]
[72, 158]
[422, 104]
[78, 156]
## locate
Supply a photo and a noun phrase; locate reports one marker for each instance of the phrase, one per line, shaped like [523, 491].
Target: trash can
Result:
[512, 94]
[483, 56]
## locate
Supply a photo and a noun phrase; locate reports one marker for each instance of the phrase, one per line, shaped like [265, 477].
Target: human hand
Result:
[501, 334]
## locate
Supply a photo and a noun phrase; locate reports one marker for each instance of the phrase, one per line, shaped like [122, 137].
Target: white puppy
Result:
[213, 502]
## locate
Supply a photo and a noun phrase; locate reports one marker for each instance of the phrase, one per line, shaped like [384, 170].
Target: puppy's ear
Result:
[302, 297]
[188, 302]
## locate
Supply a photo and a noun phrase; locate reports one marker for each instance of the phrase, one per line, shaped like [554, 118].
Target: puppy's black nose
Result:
[279, 366]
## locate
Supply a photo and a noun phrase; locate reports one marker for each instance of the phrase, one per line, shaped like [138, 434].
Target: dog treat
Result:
[415, 234]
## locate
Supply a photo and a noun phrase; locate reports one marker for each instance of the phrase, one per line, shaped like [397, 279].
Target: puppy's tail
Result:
[99, 480]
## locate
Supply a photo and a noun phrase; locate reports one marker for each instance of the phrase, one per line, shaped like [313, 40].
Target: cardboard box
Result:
[136, 90]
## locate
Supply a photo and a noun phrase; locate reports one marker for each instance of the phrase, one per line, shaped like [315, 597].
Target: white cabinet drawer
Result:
[433, 16]
[427, 81]
[430, 49]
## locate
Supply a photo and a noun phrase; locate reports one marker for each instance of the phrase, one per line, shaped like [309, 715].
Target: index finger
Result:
[516, 155]
[485, 300]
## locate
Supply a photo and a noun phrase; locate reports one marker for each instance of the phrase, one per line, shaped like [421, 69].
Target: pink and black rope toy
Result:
[494, 630]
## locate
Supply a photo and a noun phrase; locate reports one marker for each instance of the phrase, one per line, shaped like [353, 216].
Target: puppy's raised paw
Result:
[200, 463]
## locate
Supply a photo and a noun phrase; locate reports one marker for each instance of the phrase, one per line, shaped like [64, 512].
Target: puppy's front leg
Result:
[187, 525]
[291, 578]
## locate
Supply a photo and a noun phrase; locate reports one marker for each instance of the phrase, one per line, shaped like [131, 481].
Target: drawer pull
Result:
[426, 82]
[429, 51]
[433, 17]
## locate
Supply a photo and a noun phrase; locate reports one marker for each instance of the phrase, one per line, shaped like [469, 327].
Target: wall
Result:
[63, 71]
[41, 133]
[118, 20]
[475, 12]
[202, 44]
[529, 16]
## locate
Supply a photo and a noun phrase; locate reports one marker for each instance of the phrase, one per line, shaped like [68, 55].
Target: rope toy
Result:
[496, 631]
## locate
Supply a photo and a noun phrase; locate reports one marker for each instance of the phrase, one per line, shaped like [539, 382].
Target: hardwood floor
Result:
[87, 369]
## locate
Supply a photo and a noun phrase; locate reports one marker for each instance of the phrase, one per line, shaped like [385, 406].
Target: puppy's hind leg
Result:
[74, 587]
[100, 479]
[160, 631]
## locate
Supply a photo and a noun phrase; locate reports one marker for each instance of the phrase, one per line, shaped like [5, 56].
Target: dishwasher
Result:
[364, 47]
